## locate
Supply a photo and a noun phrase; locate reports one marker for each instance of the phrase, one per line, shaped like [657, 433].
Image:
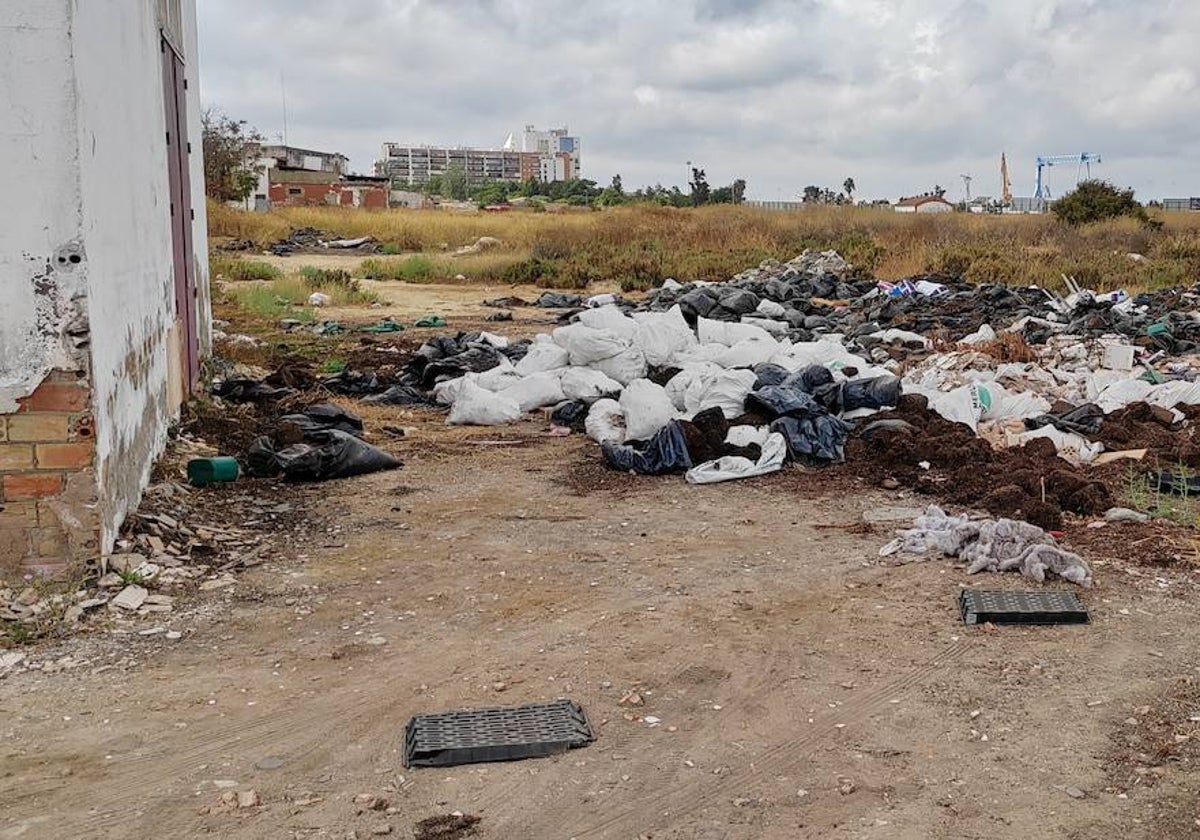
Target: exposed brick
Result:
[51, 395]
[20, 515]
[32, 485]
[62, 456]
[49, 542]
[33, 427]
[16, 456]
[14, 543]
[3, 430]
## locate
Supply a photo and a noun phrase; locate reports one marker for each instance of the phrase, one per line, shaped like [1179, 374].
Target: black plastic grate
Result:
[468, 737]
[1058, 606]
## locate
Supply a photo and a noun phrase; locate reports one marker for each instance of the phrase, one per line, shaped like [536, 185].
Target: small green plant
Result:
[333, 366]
[415, 269]
[320, 277]
[237, 269]
[131, 577]
[390, 249]
[1144, 495]
[17, 634]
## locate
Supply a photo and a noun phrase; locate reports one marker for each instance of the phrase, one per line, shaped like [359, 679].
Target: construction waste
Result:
[1000, 396]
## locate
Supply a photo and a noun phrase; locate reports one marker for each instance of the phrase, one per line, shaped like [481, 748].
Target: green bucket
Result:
[202, 471]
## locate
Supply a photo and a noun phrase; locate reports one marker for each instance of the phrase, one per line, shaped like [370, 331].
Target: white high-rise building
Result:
[558, 151]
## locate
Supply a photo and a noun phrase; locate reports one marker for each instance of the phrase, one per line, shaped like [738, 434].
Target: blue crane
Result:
[1081, 160]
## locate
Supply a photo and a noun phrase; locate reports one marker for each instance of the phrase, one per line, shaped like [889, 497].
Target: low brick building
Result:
[103, 267]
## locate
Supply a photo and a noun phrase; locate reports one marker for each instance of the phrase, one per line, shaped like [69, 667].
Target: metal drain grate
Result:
[468, 737]
[1058, 606]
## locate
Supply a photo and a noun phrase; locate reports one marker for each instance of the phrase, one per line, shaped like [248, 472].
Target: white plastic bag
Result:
[730, 467]
[605, 422]
[477, 407]
[646, 407]
[984, 334]
[542, 357]
[535, 391]
[497, 341]
[1072, 447]
[678, 384]
[580, 383]
[319, 299]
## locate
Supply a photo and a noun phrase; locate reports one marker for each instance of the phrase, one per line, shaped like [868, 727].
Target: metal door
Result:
[178, 149]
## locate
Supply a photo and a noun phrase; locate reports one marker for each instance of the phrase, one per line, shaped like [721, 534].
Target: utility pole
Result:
[966, 179]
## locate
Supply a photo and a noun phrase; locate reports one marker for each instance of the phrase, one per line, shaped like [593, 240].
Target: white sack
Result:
[980, 336]
[580, 383]
[748, 353]
[610, 318]
[535, 391]
[605, 422]
[646, 407]
[497, 341]
[724, 332]
[445, 393]
[777, 329]
[661, 335]
[542, 357]
[587, 345]
[678, 384]
[626, 366]
[727, 389]
[477, 407]
[770, 309]
[1074, 448]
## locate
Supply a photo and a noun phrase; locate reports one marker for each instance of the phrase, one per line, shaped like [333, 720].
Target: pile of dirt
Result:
[446, 827]
[945, 459]
[1142, 426]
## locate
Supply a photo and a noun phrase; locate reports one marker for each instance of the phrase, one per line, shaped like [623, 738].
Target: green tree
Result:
[1095, 200]
[699, 186]
[231, 150]
[812, 194]
[454, 183]
[849, 186]
[739, 190]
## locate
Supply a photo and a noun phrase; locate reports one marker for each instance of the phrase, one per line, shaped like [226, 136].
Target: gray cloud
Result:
[899, 94]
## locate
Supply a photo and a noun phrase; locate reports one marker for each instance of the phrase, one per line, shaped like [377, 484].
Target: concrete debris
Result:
[129, 598]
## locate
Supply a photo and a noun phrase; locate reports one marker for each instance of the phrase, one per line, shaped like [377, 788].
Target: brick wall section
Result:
[46, 450]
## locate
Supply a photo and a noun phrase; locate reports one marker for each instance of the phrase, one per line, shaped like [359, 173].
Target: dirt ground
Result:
[802, 687]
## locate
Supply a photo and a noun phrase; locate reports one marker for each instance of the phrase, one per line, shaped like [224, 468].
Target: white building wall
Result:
[41, 289]
[125, 200]
[86, 254]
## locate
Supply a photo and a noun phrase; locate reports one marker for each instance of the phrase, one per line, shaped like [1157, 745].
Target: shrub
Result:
[1095, 201]
[412, 269]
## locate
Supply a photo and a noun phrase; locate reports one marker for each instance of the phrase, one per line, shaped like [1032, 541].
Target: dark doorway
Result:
[175, 100]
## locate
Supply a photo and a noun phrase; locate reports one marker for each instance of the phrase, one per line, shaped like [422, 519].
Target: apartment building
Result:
[550, 155]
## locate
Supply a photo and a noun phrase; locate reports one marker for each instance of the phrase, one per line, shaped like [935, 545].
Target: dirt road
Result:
[803, 689]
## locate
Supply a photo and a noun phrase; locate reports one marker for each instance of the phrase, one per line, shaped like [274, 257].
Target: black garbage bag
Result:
[353, 383]
[769, 374]
[477, 359]
[1083, 420]
[878, 392]
[666, 452]
[696, 304]
[737, 302]
[324, 454]
[783, 400]
[558, 300]
[570, 414]
[324, 416]
[399, 395]
[820, 437]
[249, 390]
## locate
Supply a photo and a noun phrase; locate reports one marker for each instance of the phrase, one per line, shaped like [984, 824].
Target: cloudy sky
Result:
[898, 94]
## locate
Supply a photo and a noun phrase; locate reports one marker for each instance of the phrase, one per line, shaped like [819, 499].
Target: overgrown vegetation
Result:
[640, 244]
[237, 269]
[230, 170]
[1095, 201]
[1143, 495]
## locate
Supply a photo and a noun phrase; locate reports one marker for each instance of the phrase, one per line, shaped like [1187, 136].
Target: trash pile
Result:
[990, 545]
[309, 239]
[318, 443]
